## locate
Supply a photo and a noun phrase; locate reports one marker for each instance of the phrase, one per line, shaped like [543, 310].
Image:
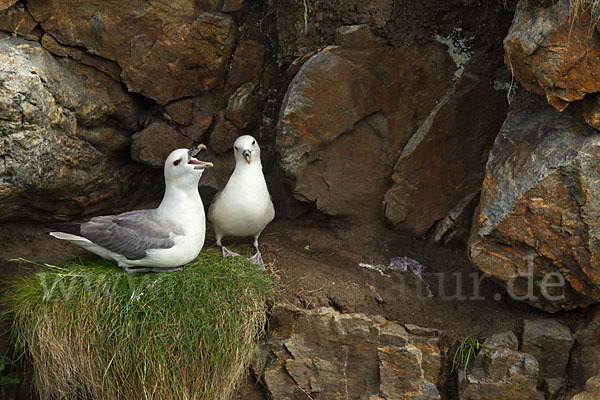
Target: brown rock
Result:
[363, 357]
[536, 229]
[350, 178]
[584, 364]
[111, 100]
[550, 343]
[105, 138]
[500, 373]
[591, 391]
[553, 387]
[444, 158]
[232, 5]
[552, 54]
[248, 60]
[152, 145]
[202, 117]
[16, 21]
[166, 50]
[591, 110]
[361, 94]
[589, 333]
[457, 224]
[356, 36]
[245, 107]
[110, 68]
[223, 135]
[181, 111]
[295, 65]
[214, 179]
[4, 4]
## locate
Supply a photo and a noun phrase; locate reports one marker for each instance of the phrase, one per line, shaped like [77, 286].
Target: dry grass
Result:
[92, 331]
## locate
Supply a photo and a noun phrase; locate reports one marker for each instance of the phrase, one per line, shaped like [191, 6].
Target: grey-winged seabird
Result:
[157, 240]
[244, 206]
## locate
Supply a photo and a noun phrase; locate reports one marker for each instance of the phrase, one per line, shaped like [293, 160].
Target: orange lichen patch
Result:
[563, 63]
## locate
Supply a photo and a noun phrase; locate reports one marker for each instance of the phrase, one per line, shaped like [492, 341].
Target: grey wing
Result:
[130, 234]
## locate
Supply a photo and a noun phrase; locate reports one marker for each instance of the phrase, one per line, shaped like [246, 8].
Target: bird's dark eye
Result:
[237, 148]
[176, 162]
[253, 142]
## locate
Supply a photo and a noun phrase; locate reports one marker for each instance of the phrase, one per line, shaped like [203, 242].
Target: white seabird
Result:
[244, 206]
[157, 240]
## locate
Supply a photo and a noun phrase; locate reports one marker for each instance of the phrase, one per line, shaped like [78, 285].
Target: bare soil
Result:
[317, 261]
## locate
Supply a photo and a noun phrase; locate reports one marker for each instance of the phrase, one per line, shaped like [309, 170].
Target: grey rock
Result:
[506, 340]
[550, 342]
[537, 227]
[47, 171]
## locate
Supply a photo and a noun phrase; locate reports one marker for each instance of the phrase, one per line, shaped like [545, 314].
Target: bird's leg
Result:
[225, 251]
[257, 257]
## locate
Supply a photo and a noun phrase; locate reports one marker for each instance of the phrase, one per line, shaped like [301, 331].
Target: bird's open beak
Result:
[200, 164]
[247, 155]
[197, 163]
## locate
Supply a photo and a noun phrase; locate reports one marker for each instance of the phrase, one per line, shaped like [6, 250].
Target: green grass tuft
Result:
[467, 350]
[94, 331]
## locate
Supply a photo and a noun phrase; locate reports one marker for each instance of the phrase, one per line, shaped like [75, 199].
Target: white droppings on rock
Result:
[401, 264]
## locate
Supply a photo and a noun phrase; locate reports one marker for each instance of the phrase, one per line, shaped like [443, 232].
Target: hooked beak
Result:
[247, 155]
[197, 163]
[195, 150]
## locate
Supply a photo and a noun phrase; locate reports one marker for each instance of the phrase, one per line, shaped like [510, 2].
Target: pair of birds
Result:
[165, 238]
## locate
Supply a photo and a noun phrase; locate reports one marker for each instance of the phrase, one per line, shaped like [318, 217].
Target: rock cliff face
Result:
[553, 52]
[353, 117]
[536, 226]
[98, 85]
[166, 50]
[59, 156]
[325, 354]
[346, 116]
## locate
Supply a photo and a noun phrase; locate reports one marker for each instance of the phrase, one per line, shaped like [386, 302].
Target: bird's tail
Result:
[73, 229]
[67, 236]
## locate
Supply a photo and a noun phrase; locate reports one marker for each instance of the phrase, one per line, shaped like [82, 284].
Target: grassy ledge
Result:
[93, 331]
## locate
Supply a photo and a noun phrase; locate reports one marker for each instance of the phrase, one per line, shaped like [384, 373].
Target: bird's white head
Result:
[246, 150]
[181, 167]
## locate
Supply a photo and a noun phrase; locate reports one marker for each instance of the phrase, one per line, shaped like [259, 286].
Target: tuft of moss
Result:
[93, 331]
